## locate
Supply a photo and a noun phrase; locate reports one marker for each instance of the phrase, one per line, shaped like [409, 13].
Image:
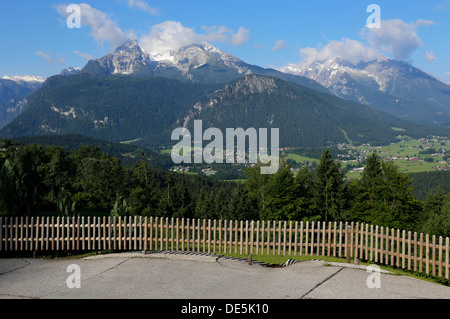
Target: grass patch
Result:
[397, 129]
[131, 142]
[346, 136]
[301, 159]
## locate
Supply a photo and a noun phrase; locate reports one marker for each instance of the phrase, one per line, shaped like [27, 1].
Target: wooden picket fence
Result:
[382, 245]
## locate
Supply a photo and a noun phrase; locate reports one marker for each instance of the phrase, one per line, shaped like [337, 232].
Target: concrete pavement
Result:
[178, 276]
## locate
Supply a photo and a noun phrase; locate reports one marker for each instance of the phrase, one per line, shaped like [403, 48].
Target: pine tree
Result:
[256, 183]
[241, 206]
[280, 202]
[436, 214]
[329, 194]
[304, 194]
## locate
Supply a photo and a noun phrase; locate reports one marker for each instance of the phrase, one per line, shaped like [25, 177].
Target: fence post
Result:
[263, 224]
[392, 246]
[1, 233]
[135, 233]
[335, 242]
[141, 235]
[403, 248]
[214, 235]
[168, 235]
[427, 252]
[199, 230]
[329, 240]
[109, 232]
[356, 261]
[301, 238]
[220, 236]
[447, 256]
[295, 238]
[246, 237]
[145, 233]
[409, 250]
[257, 237]
[420, 253]
[440, 257]
[38, 227]
[387, 246]
[415, 251]
[433, 256]
[347, 243]
[209, 235]
[188, 237]
[225, 229]
[252, 238]
[21, 233]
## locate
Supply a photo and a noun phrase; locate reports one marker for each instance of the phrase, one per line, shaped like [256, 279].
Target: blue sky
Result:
[36, 40]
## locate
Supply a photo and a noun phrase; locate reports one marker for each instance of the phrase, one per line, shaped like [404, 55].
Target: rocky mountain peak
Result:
[252, 84]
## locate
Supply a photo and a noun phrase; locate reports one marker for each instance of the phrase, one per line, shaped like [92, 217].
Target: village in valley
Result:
[411, 155]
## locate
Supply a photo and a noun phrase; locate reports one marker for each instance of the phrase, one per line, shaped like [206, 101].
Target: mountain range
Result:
[392, 86]
[198, 63]
[134, 95]
[13, 95]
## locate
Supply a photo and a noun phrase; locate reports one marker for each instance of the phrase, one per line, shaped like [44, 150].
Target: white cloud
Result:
[103, 28]
[169, 35]
[447, 74]
[429, 56]
[396, 37]
[349, 50]
[424, 23]
[442, 6]
[142, 5]
[241, 37]
[85, 56]
[172, 35]
[165, 36]
[48, 57]
[280, 45]
[216, 33]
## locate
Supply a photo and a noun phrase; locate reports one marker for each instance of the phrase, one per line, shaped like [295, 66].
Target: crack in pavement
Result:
[322, 282]
[85, 280]
[18, 296]
[21, 267]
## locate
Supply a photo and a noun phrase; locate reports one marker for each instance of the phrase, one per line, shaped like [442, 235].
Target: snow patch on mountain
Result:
[336, 72]
[70, 71]
[130, 58]
[25, 79]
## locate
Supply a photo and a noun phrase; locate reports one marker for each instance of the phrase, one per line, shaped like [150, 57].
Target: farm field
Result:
[411, 155]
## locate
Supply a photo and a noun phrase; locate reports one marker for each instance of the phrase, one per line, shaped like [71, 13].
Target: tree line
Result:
[36, 179]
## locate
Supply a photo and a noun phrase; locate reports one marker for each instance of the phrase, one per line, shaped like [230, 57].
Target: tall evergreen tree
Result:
[329, 188]
[257, 184]
[241, 205]
[304, 194]
[280, 199]
[436, 214]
